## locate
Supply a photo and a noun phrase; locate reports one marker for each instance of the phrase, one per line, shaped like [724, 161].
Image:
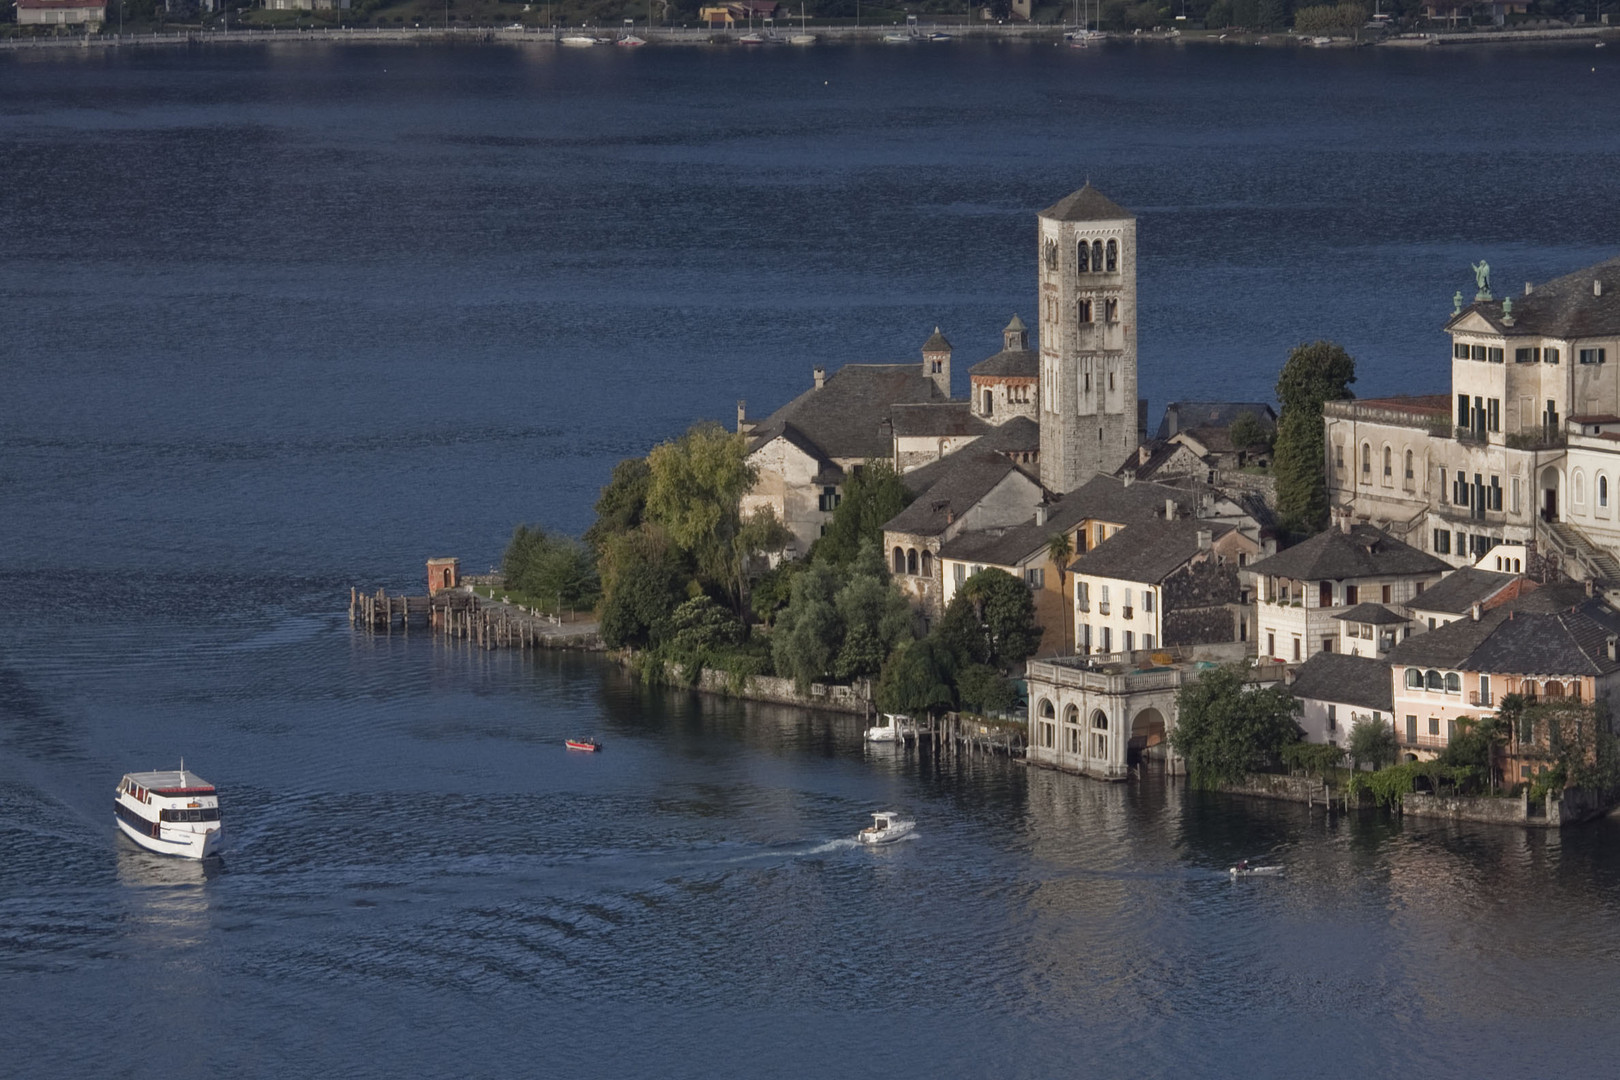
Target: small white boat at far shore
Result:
[887, 827]
[578, 41]
[894, 728]
[173, 812]
[1245, 870]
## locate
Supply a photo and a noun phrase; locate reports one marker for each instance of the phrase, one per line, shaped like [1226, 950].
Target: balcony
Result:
[1125, 613]
[1083, 606]
[1480, 697]
[1102, 608]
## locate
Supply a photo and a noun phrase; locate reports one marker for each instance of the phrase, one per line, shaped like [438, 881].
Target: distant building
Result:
[1006, 386]
[1336, 690]
[60, 13]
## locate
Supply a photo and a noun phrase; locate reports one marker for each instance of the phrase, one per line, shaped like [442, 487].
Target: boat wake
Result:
[843, 844]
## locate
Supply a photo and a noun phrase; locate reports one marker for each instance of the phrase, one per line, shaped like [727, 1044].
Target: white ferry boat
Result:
[173, 812]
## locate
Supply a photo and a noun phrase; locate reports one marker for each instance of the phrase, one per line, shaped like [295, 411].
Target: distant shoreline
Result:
[825, 35]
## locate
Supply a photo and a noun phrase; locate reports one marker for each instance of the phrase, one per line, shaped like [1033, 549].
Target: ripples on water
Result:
[340, 310]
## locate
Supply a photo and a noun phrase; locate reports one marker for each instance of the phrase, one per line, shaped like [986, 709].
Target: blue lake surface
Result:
[280, 321]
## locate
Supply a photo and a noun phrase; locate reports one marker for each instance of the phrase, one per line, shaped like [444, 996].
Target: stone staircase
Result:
[1596, 564]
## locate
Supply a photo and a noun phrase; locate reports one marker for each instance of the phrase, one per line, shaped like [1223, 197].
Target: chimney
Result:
[820, 375]
[742, 416]
[1206, 537]
[1612, 644]
[1040, 515]
[1143, 452]
[1591, 588]
[1344, 524]
[1597, 287]
[1126, 479]
[1172, 419]
[1473, 613]
[1169, 509]
[1527, 288]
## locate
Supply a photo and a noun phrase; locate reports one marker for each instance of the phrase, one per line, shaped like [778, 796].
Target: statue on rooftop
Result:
[1482, 278]
[1456, 303]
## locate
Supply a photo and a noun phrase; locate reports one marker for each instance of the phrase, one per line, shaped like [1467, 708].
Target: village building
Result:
[1163, 582]
[61, 13]
[1525, 449]
[1006, 386]
[1298, 592]
[1370, 630]
[1550, 645]
[1204, 427]
[1460, 593]
[1336, 690]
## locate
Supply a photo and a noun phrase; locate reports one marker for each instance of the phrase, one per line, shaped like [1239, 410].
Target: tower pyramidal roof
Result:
[1087, 204]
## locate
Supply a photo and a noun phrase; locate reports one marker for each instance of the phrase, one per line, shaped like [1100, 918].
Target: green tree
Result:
[694, 492]
[873, 495]
[991, 620]
[985, 689]
[642, 576]
[554, 570]
[918, 679]
[1249, 430]
[809, 630]
[622, 503]
[1372, 742]
[1226, 729]
[699, 630]
[875, 616]
[1314, 374]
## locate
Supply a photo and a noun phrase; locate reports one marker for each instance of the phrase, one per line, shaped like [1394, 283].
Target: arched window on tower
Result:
[1366, 459]
[911, 561]
[1096, 256]
[1409, 473]
[1389, 463]
[1113, 256]
[1082, 311]
[1111, 310]
[1051, 255]
[899, 561]
[1084, 256]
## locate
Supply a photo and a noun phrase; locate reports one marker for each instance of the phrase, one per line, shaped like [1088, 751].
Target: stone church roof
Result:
[936, 342]
[1087, 204]
[1565, 307]
[1007, 364]
[850, 416]
[936, 418]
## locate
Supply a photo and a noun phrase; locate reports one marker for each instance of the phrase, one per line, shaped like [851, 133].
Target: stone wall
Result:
[1196, 603]
[1302, 789]
[847, 699]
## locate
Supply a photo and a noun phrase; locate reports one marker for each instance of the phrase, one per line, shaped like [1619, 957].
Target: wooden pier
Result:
[461, 613]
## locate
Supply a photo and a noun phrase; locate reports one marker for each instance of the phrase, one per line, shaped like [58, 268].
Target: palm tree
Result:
[1060, 549]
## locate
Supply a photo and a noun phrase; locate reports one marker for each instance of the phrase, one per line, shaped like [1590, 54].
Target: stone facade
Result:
[1090, 418]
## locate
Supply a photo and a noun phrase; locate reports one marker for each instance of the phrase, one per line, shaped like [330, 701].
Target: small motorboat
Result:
[590, 746]
[893, 729]
[887, 827]
[1243, 869]
[172, 812]
[578, 41]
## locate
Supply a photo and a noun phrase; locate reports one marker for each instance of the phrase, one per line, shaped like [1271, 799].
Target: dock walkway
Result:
[481, 620]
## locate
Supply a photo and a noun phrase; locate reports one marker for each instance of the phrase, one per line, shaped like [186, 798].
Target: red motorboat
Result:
[590, 745]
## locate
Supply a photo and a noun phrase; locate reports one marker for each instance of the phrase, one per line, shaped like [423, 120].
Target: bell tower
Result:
[1087, 283]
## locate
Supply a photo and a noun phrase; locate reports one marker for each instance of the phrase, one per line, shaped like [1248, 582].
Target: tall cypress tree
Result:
[1319, 372]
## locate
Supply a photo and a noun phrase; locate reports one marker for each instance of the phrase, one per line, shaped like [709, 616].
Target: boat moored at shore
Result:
[172, 812]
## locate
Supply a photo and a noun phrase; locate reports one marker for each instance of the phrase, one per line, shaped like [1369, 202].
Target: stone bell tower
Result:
[1087, 281]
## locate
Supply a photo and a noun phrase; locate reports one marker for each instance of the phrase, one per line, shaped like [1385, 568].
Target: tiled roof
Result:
[1346, 680]
[1460, 591]
[846, 417]
[936, 342]
[1564, 307]
[1181, 415]
[937, 418]
[1008, 364]
[1109, 498]
[1159, 454]
[1020, 434]
[1521, 640]
[998, 547]
[948, 488]
[1336, 555]
[1373, 614]
[1087, 204]
[1148, 552]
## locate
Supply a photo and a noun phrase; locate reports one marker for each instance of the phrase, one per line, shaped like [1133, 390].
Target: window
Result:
[1578, 481]
[1327, 644]
[1592, 356]
[1411, 729]
[1084, 256]
[1493, 494]
[1111, 310]
[1130, 641]
[1434, 725]
[1271, 643]
[1549, 356]
[1366, 459]
[1352, 595]
[1099, 720]
[1414, 679]
[1107, 639]
[911, 561]
[1459, 351]
[900, 561]
[1409, 473]
[1035, 577]
[1333, 717]
[1493, 355]
[989, 403]
[1096, 256]
[1048, 736]
[1451, 730]
[1515, 503]
[1477, 352]
[1051, 255]
[1082, 595]
[1113, 256]
[928, 564]
[1453, 683]
[1603, 490]
[1296, 649]
[1102, 599]
[1462, 410]
[1338, 455]
[1147, 601]
[1389, 467]
[1324, 594]
[1433, 681]
[1082, 310]
[1442, 487]
[829, 499]
[1527, 356]
[1493, 414]
[1385, 594]
[959, 572]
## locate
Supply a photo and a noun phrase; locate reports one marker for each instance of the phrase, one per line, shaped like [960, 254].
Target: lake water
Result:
[280, 321]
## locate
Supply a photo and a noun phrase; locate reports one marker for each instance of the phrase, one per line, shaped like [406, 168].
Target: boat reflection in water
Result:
[166, 899]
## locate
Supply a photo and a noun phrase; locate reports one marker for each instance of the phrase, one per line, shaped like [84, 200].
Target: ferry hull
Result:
[186, 845]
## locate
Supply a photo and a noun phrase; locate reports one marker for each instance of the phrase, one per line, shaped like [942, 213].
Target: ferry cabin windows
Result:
[206, 814]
